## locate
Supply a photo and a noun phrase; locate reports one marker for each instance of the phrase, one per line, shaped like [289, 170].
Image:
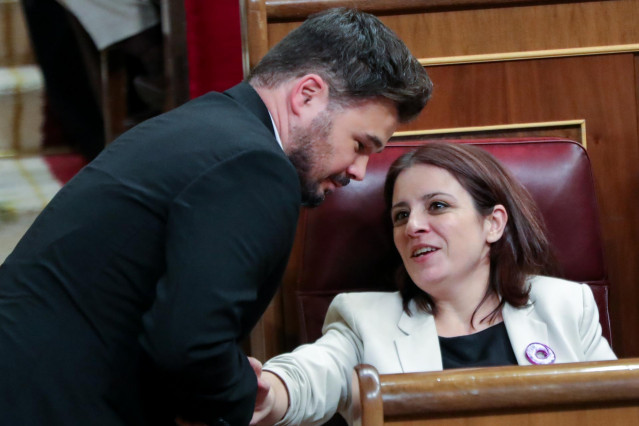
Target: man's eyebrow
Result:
[379, 145]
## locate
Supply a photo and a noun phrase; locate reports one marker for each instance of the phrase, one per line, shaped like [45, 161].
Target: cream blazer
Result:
[372, 328]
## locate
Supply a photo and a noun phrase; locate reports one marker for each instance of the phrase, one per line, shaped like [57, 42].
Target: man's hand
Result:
[262, 395]
[271, 402]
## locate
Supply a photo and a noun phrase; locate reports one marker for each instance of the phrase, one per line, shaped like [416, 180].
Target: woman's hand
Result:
[265, 397]
[272, 397]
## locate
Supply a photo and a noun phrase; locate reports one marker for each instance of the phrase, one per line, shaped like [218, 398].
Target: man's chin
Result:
[313, 198]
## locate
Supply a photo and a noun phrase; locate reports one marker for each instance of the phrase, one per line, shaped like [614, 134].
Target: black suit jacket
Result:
[125, 301]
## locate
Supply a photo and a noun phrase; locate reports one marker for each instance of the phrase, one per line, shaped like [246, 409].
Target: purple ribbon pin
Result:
[540, 354]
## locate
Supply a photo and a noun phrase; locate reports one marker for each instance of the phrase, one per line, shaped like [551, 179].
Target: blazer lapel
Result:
[524, 327]
[418, 349]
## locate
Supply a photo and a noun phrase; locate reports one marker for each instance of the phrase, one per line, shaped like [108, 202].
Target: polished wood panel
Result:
[283, 10]
[256, 23]
[508, 29]
[574, 130]
[577, 392]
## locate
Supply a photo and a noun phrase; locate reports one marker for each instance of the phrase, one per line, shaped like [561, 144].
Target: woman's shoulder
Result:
[366, 304]
[543, 282]
[559, 290]
[368, 299]
[365, 312]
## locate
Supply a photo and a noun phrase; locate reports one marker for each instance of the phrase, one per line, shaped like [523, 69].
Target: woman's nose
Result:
[417, 224]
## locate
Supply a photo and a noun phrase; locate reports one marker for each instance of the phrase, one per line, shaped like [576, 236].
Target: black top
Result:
[487, 348]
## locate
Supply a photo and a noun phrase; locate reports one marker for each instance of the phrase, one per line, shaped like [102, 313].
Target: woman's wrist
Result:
[275, 404]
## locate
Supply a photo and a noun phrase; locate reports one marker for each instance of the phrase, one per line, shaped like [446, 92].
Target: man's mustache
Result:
[341, 179]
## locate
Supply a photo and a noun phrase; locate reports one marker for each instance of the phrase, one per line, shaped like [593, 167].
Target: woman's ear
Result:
[309, 95]
[496, 223]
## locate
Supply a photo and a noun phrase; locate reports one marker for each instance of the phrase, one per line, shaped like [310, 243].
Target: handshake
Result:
[271, 402]
[272, 397]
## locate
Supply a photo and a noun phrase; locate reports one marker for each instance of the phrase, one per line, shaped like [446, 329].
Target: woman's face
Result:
[443, 240]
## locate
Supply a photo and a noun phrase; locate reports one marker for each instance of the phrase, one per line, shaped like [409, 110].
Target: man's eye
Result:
[359, 147]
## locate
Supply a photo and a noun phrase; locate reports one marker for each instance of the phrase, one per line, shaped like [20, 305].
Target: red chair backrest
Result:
[347, 244]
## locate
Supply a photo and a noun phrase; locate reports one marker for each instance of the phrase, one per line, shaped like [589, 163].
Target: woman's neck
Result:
[453, 316]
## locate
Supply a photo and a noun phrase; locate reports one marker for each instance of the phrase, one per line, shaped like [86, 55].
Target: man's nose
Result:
[357, 170]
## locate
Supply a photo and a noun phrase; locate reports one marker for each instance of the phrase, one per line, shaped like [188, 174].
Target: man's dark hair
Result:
[356, 54]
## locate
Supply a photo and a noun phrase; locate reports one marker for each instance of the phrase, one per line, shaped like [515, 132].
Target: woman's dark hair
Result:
[356, 54]
[522, 250]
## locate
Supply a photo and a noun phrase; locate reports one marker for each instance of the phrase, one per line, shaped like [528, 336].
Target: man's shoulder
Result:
[214, 126]
[241, 102]
[236, 115]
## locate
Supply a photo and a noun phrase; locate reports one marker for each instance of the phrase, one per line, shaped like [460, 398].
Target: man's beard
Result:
[310, 148]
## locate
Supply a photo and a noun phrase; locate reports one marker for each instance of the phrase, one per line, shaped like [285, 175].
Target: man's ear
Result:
[496, 223]
[309, 94]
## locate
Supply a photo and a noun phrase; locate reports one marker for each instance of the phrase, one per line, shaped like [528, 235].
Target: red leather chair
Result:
[346, 244]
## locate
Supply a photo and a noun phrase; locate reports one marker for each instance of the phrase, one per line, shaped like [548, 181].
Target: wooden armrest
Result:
[494, 389]
[367, 390]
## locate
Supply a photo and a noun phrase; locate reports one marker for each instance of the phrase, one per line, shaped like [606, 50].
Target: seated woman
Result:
[472, 291]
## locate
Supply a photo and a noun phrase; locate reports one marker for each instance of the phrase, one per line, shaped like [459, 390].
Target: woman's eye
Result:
[400, 217]
[359, 147]
[437, 205]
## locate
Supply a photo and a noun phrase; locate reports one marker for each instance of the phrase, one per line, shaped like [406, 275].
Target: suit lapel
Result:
[524, 327]
[418, 348]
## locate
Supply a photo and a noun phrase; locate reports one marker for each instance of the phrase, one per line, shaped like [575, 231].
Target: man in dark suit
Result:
[125, 301]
